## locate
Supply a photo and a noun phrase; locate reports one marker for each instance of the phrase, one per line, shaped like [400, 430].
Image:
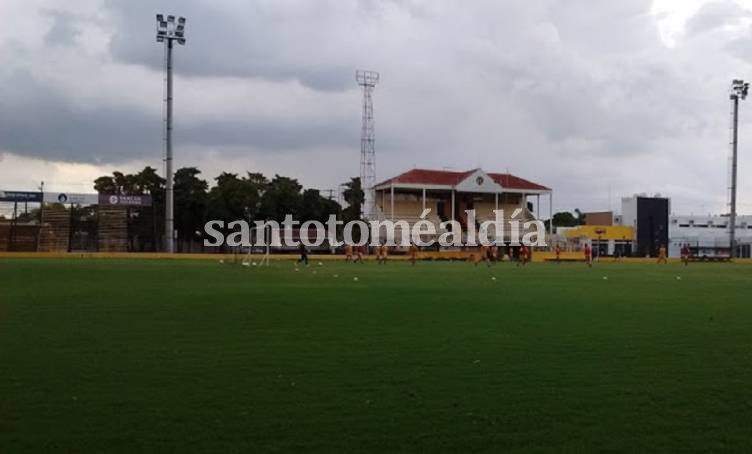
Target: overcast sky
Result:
[592, 98]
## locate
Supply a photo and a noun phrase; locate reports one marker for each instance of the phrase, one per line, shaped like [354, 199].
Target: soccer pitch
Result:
[139, 355]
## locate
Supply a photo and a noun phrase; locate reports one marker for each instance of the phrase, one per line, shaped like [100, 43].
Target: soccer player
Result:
[685, 254]
[482, 255]
[524, 254]
[303, 254]
[662, 254]
[348, 253]
[494, 252]
[588, 255]
[359, 254]
[557, 250]
[381, 253]
[413, 253]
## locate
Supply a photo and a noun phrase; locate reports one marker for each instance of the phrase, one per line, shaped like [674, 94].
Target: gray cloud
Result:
[714, 15]
[267, 135]
[266, 41]
[742, 47]
[63, 30]
[36, 121]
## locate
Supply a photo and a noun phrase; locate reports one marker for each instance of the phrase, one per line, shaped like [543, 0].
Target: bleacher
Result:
[484, 212]
[409, 211]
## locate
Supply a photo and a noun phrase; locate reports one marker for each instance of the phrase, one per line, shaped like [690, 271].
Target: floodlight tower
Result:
[368, 80]
[169, 31]
[739, 90]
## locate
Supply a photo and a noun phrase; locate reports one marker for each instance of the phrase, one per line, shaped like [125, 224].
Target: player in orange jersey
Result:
[588, 255]
[381, 253]
[685, 254]
[524, 255]
[413, 253]
[662, 256]
[482, 255]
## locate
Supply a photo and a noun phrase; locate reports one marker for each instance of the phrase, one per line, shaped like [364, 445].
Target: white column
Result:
[424, 200]
[537, 206]
[551, 212]
[452, 204]
[497, 234]
[392, 202]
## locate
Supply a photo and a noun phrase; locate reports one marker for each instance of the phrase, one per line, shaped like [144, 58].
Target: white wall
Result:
[706, 231]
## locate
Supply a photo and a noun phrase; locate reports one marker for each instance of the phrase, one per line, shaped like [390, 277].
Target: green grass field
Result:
[131, 356]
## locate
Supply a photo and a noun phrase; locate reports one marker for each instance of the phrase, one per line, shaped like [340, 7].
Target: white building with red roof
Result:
[449, 194]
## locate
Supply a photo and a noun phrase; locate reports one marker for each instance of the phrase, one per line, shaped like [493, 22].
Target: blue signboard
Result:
[20, 196]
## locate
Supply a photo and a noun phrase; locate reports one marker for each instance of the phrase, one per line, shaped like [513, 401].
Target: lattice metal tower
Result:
[739, 90]
[368, 80]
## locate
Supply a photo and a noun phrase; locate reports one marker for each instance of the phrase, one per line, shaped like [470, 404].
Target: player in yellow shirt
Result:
[413, 253]
[382, 253]
[482, 255]
[662, 257]
[348, 253]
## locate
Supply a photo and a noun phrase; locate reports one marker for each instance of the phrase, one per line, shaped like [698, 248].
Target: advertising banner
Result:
[20, 196]
[125, 200]
[71, 197]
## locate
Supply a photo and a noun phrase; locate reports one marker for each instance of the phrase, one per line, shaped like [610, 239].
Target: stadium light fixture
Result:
[168, 31]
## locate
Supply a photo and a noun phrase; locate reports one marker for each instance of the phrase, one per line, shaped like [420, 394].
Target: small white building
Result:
[708, 235]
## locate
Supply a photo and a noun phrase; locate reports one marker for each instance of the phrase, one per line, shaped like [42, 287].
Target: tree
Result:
[314, 207]
[147, 224]
[563, 219]
[105, 185]
[580, 216]
[282, 197]
[233, 198]
[148, 181]
[354, 197]
[191, 200]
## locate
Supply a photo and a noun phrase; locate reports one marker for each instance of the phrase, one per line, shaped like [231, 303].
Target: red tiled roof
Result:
[507, 180]
[426, 176]
[452, 178]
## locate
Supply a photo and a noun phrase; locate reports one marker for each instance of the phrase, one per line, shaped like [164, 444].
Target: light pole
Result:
[739, 90]
[168, 31]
